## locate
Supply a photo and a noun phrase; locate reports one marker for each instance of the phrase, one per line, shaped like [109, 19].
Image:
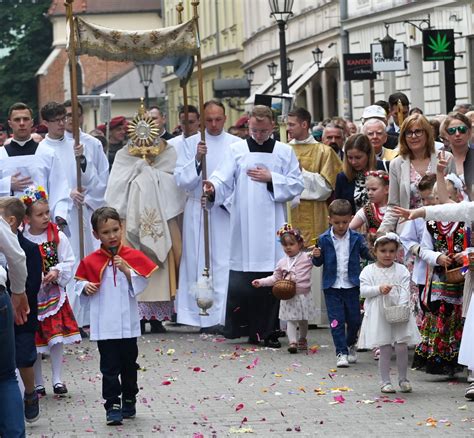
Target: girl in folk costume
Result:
[383, 281]
[295, 266]
[57, 325]
[442, 248]
[371, 214]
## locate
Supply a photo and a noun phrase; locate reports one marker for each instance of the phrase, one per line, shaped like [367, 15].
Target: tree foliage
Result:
[26, 32]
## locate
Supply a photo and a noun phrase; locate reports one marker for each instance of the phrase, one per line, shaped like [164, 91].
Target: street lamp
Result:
[317, 56]
[388, 45]
[281, 11]
[249, 73]
[289, 66]
[145, 70]
[272, 69]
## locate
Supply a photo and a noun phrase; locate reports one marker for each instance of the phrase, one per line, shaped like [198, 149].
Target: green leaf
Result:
[439, 45]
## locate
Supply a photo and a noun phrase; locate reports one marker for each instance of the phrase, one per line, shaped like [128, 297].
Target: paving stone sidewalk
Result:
[195, 385]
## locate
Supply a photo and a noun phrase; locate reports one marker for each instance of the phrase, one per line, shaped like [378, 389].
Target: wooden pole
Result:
[75, 114]
[195, 4]
[179, 9]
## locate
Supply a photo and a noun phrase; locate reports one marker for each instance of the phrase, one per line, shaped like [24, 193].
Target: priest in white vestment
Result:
[23, 163]
[188, 177]
[263, 174]
[150, 204]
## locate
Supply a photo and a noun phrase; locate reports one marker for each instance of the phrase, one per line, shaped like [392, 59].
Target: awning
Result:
[235, 87]
[308, 75]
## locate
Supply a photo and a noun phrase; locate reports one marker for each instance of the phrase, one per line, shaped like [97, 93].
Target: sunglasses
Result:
[462, 129]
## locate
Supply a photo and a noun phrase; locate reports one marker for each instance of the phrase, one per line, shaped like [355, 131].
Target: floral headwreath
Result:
[388, 236]
[33, 194]
[377, 174]
[288, 229]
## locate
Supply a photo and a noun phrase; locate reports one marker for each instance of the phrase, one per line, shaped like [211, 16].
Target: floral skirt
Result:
[441, 332]
[58, 328]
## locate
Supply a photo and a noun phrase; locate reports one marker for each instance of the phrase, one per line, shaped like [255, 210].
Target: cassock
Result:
[148, 200]
[188, 177]
[41, 164]
[320, 166]
[258, 210]
[94, 197]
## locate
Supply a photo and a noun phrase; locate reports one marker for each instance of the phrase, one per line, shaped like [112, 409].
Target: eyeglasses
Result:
[375, 133]
[415, 133]
[61, 120]
[260, 131]
[462, 129]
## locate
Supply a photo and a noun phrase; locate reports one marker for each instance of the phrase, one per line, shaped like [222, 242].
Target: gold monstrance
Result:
[143, 131]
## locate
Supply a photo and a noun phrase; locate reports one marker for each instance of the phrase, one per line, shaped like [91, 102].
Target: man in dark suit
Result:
[160, 119]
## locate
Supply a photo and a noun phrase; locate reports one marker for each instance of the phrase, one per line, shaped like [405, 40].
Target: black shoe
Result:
[272, 343]
[128, 409]
[114, 416]
[253, 341]
[60, 389]
[40, 390]
[279, 334]
[32, 410]
[156, 326]
[84, 334]
[213, 330]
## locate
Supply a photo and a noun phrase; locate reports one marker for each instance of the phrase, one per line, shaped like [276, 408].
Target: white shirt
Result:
[342, 246]
[16, 259]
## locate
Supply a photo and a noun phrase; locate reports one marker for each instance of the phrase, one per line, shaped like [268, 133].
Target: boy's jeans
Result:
[12, 423]
[343, 308]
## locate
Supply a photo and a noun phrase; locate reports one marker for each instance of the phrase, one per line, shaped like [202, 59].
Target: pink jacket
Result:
[300, 273]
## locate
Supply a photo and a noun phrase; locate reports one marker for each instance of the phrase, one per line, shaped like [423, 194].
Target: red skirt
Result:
[58, 328]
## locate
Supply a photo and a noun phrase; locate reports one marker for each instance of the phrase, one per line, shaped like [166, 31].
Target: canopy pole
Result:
[195, 4]
[179, 9]
[75, 115]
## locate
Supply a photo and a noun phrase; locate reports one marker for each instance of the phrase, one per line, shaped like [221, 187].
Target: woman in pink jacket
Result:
[295, 266]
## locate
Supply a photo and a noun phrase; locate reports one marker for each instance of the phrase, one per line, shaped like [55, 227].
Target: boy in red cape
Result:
[113, 276]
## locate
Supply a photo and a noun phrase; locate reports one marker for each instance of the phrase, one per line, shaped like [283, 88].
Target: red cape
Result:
[92, 267]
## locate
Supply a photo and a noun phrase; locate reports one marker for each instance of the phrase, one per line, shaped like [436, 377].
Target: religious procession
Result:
[138, 238]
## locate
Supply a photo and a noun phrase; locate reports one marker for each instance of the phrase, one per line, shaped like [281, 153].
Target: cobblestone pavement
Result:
[195, 385]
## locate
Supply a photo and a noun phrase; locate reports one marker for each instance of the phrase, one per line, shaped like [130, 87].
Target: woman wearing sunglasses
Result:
[417, 157]
[458, 130]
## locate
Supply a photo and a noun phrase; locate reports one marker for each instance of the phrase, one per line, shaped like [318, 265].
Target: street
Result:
[195, 385]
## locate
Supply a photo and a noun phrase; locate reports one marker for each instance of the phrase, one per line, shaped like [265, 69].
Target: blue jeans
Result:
[12, 423]
[344, 314]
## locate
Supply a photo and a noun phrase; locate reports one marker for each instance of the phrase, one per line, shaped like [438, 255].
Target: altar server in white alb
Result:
[188, 177]
[90, 197]
[24, 163]
[262, 174]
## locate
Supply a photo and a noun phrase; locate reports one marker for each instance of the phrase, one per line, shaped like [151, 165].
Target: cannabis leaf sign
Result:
[438, 45]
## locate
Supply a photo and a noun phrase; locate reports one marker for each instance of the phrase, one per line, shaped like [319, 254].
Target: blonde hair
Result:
[405, 151]
[261, 112]
[11, 206]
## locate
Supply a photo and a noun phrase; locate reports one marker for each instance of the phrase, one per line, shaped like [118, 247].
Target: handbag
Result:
[396, 314]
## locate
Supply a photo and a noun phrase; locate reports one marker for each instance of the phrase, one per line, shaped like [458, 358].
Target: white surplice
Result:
[189, 179]
[45, 169]
[94, 197]
[257, 213]
[114, 307]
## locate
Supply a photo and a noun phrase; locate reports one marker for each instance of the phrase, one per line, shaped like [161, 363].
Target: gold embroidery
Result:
[150, 224]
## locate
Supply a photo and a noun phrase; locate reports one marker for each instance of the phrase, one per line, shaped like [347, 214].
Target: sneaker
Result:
[405, 386]
[342, 361]
[114, 416]
[128, 409]
[470, 392]
[376, 353]
[32, 410]
[60, 389]
[293, 348]
[40, 390]
[387, 388]
[352, 356]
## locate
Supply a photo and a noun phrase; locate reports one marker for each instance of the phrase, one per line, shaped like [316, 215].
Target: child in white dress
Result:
[391, 279]
[295, 266]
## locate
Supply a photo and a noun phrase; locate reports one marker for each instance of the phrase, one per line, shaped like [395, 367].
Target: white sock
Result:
[291, 331]
[303, 325]
[38, 371]
[56, 353]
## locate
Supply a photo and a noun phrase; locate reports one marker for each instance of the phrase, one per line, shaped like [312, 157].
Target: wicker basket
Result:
[396, 314]
[284, 289]
[454, 276]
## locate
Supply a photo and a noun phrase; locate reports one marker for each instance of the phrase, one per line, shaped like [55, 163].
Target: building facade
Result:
[221, 28]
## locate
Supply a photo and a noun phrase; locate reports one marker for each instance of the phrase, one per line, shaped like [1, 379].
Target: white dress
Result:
[375, 330]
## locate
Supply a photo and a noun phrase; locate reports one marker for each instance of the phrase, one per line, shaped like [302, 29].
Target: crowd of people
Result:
[319, 214]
